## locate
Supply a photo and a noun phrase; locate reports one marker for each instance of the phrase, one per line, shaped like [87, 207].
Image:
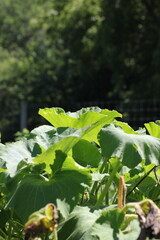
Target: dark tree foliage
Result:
[55, 53]
[132, 46]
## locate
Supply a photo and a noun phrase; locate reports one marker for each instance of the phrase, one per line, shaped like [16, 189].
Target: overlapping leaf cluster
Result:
[75, 163]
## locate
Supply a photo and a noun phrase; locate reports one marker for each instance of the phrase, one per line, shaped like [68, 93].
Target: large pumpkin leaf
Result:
[86, 223]
[80, 119]
[46, 135]
[153, 129]
[34, 191]
[68, 142]
[131, 149]
[44, 141]
[38, 141]
[78, 225]
[43, 137]
[28, 147]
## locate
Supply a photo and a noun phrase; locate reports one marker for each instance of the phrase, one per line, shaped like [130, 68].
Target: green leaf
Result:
[42, 144]
[157, 122]
[126, 128]
[48, 156]
[131, 149]
[45, 136]
[58, 162]
[153, 129]
[90, 133]
[114, 217]
[14, 153]
[34, 191]
[80, 119]
[85, 153]
[2, 161]
[133, 231]
[97, 176]
[70, 137]
[39, 140]
[79, 224]
[5, 215]
[42, 138]
[38, 131]
[3, 177]
[87, 223]
[28, 147]
[103, 230]
[108, 224]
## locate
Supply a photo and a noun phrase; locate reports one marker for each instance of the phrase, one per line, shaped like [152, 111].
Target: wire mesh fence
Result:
[135, 112]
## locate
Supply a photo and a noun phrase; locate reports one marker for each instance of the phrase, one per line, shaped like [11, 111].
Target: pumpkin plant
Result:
[61, 180]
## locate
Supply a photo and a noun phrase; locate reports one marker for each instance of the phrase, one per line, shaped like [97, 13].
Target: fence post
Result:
[23, 114]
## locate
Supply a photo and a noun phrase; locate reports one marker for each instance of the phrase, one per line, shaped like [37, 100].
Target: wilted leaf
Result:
[41, 221]
[149, 217]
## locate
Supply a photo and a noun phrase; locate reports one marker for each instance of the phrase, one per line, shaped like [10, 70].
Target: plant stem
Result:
[103, 167]
[55, 236]
[101, 170]
[106, 188]
[10, 226]
[2, 233]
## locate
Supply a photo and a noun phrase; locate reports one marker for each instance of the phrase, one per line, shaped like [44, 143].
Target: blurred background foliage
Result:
[56, 53]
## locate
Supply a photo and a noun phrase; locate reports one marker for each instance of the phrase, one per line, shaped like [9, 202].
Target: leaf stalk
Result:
[106, 188]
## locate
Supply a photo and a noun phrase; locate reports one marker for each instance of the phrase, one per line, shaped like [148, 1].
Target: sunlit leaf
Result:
[13, 153]
[48, 156]
[87, 223]
[80, 119]
[153, 129]
[131, 149]
[79, 224]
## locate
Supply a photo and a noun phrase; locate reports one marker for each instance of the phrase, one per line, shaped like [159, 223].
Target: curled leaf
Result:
[149, 218]
[42, 221]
